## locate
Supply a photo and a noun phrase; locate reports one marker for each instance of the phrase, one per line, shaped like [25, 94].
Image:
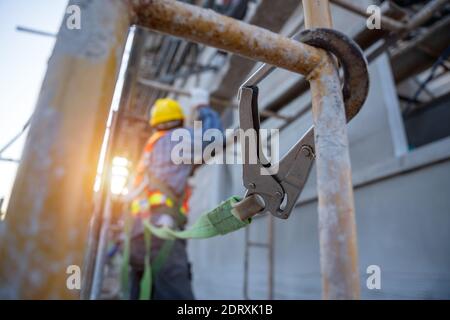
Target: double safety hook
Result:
[278, 192]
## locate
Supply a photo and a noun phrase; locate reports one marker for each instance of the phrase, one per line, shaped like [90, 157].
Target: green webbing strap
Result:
[125, 268]
[151, 270]
[219, 221]
[178, 200]
[162, 256]
[145, 291]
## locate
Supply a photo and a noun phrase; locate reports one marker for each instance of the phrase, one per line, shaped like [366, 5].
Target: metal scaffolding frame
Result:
[66, 207]
[392, 31]
[366, 39]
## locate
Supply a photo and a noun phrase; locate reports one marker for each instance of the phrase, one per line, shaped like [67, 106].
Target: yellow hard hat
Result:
[165, 110]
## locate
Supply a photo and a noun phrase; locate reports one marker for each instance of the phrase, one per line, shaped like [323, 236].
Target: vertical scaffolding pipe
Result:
[337, 228]
[51, 202]
[97, 280]
[94, 263]
[104, 212]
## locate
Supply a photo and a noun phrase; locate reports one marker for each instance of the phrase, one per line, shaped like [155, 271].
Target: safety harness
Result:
[220, 221]
[162, 196]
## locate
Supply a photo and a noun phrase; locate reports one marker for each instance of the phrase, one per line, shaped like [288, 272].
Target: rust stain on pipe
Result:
[49, 210]
[337, 228]
[212, 29]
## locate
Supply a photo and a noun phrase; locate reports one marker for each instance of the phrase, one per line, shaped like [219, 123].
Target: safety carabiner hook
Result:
[276, 188]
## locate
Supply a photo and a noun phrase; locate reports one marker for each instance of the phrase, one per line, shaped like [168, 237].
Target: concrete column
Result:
[51, 202]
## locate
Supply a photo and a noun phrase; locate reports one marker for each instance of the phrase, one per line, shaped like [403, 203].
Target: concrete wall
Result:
[403, 227]
[402, 208]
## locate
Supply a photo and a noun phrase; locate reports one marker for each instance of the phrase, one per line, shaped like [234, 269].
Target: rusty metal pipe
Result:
[212, 29]
[337, 229]
[49, 210]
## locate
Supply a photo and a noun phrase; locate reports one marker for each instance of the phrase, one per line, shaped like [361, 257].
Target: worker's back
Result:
[174, 172]
[163, 201]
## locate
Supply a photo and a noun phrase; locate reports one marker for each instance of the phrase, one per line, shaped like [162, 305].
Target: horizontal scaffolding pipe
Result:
[215, 30]
[9, 160]
[36, 32]
[425, 13]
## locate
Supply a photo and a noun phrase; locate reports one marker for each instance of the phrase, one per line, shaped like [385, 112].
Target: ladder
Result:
[269, 246]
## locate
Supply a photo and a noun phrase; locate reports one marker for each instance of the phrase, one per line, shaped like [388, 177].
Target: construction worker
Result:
[162, 195]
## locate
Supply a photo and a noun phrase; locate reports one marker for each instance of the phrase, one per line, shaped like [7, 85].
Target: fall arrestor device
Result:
[276, 188]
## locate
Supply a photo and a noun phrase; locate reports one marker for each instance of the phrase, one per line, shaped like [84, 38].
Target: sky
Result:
[23, 62]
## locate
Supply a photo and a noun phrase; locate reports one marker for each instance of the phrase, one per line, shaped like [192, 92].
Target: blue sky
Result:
[23, 62]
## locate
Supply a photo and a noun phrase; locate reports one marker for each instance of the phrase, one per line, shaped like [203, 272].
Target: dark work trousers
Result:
[173, 281]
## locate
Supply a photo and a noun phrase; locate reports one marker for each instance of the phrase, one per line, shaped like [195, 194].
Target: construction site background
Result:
[399, 149]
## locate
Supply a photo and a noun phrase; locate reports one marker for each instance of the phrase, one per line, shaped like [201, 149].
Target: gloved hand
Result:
[199, 97]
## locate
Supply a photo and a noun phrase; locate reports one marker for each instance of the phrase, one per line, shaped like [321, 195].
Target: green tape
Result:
[219, 221]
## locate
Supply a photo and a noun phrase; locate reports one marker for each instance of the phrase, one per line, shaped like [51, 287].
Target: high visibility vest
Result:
[154, 198]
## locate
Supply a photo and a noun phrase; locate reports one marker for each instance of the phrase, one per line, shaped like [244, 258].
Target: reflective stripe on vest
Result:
[154, 198]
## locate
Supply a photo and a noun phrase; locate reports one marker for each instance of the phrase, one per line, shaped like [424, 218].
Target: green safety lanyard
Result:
[219, 221]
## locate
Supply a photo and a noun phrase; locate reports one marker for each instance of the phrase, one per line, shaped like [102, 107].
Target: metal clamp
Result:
[352, 60]
[277, 191]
